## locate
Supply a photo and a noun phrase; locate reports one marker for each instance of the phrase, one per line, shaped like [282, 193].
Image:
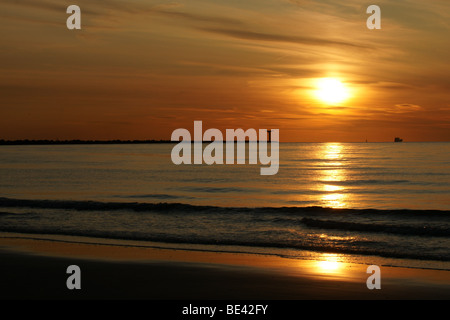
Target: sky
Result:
[141, 69]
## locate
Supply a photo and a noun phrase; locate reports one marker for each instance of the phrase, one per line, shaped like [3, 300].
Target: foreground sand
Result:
[36, 269]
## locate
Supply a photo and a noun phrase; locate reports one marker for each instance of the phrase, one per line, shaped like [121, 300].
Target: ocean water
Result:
[383, 203]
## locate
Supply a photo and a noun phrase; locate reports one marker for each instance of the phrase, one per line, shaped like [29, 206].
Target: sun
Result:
[331, 91]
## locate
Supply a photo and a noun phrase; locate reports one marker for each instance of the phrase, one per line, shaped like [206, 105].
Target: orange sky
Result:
[141, 69]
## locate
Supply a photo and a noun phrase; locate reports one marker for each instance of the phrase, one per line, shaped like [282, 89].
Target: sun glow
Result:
[331, 91]
[329, 264]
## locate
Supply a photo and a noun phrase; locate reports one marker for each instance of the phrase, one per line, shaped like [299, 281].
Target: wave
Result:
[218, 189]
[383, 228]
[364, 182]
[412, 234]
[239, 243]
[98, 205]
[89, 205]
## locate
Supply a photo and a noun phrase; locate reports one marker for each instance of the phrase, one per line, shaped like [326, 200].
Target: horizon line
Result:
[155, 141]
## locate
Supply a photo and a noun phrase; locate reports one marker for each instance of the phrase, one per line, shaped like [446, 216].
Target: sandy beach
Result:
[36, 269]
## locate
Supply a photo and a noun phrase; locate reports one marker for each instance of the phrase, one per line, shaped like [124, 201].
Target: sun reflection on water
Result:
[333, 172]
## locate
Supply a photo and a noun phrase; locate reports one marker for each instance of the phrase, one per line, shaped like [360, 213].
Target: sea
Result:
[372, 203]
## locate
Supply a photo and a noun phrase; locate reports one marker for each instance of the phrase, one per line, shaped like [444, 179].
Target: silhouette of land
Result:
[63, 142]
[51, 142]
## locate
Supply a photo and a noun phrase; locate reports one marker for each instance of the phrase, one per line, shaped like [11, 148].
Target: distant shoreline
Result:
[72, 142]
[63, 142]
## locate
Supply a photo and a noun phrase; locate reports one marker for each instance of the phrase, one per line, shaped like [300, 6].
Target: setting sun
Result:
[331, 91]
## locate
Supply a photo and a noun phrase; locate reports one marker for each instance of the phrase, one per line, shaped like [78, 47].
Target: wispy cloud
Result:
[121, 9]
[259, 36]
[406, 108]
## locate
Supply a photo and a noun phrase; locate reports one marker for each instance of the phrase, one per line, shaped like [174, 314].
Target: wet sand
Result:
[36, 269]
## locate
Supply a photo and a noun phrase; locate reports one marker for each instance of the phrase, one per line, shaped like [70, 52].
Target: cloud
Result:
[406, 108]
[54, 6]
[196, 17]
[44, 5]
[111, 8]
[259, 36]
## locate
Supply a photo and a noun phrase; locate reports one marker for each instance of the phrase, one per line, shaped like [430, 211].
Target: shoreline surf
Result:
[113, 272]
[419, 235]
[287, 254]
